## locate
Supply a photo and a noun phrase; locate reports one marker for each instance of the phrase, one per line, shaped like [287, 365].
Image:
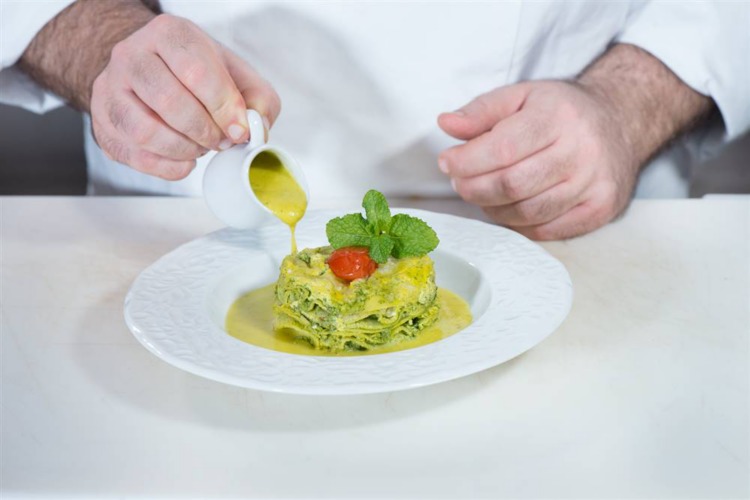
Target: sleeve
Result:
[707, 45]
[20, 21]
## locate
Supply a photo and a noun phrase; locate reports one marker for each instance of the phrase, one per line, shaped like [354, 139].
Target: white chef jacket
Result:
[362, 83]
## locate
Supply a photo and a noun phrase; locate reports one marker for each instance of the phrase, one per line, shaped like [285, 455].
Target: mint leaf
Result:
[377, 212]
[381, 248]
[412, 237]
[348, 231]
[384, 235]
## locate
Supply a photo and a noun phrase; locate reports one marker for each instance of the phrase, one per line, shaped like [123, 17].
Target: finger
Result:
[256, 91]
[118, 150]
[510, 141]
[141, 127]
[195, 60]
[540, 209]
[526, 179]
[113, 148]
[597, 206]
[581, 219]
[481, 114]
[155, 85]
[158, 166]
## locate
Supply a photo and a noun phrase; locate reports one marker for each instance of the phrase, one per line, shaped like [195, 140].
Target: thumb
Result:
[256, 91]
[481, 114]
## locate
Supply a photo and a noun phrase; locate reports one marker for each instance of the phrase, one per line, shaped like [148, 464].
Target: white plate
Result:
[518, 295]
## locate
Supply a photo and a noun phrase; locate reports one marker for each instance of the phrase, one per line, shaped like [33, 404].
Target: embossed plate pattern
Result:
[519, 294]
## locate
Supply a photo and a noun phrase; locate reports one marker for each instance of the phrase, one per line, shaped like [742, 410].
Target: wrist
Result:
[647, 103]
[72, 49]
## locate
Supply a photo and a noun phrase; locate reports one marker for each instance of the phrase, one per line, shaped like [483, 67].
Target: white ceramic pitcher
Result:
[226, 182]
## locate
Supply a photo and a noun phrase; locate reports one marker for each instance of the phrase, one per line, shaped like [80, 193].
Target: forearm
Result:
[72, 49]
[647, 101]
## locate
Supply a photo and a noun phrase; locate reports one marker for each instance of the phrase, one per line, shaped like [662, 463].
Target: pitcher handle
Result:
[257, 129]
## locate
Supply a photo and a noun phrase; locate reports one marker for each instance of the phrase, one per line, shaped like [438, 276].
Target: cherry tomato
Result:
[351, 263]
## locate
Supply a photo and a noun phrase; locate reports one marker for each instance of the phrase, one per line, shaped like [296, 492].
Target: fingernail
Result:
[236, 132]
[266, 128]
[225, 144]
[453, 184]
[459, 112]
[443, 165]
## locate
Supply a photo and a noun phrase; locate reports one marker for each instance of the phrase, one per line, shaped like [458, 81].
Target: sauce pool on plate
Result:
[250, 319]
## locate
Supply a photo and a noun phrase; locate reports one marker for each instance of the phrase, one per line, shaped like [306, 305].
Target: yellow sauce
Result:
[250, 320]
[278, 190]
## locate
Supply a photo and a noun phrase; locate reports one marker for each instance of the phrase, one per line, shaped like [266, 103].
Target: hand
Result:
[169, 93]
[543, 158]
[556, 159]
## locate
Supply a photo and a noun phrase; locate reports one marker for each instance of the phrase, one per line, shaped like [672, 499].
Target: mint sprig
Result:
[400, 235]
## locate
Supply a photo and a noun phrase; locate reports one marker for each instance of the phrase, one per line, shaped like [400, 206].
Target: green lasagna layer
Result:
[395, 303]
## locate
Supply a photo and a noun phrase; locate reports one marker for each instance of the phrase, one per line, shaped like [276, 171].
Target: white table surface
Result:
[642, 392]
